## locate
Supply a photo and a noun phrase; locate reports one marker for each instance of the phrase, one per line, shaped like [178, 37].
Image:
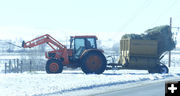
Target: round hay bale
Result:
[163, 35]
[131, 36]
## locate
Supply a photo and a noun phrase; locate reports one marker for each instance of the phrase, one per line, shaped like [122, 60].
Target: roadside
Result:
[102, 91]
[146, 90]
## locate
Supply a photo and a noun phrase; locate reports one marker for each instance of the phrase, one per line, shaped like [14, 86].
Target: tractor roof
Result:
[85, 36]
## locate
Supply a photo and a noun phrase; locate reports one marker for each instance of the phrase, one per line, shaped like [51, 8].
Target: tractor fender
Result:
[92, 50]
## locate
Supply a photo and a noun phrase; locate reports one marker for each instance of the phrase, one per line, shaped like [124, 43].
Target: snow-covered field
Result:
[40, 83]
[76, 83]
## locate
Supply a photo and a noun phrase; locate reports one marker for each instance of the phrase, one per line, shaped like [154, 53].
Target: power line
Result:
[136, 14]
[14, 44]
[10, 43]
[165, 11]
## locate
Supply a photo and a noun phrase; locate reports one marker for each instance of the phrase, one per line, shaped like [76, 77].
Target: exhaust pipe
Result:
[23, 43]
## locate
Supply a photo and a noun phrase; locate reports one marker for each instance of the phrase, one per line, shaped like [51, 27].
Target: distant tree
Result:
[116, 48]
[99, 44]
[35, 55]
[10, 47]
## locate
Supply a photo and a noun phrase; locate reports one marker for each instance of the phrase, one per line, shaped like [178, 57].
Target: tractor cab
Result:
[80, 43]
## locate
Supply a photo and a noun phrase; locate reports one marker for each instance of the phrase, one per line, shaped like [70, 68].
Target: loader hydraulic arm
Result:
[60, 50]
[44, 39]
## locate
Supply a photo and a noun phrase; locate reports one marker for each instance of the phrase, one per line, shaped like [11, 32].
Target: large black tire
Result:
[162, 69]
[93, 62]
[154, 70]
[54, 66]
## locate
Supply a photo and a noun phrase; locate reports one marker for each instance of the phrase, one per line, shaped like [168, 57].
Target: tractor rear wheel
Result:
[93, 62]
[54, 66]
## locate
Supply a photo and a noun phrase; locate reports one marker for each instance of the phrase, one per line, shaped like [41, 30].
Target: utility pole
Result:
[169, 64]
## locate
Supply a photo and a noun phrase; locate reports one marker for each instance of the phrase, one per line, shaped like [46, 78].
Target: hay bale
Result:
[162, 34]
[131, 36]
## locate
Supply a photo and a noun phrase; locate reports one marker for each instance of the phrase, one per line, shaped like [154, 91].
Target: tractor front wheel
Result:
[54, 66]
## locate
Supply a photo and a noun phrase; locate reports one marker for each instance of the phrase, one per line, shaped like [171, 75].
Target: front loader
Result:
[83, 53]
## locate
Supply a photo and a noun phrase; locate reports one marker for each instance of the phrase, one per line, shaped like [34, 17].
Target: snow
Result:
[40, 83]
[76, 83]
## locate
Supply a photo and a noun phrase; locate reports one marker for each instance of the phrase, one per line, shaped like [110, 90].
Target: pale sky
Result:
[108, 19]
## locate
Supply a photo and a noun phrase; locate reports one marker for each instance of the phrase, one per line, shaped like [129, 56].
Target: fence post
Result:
[30, 66]
[17, 69]
[9, 66]
[21, 65]
[5, 68]
[37, 65]
[14, 64]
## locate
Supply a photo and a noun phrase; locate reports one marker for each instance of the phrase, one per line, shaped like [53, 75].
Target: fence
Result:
[21, 65]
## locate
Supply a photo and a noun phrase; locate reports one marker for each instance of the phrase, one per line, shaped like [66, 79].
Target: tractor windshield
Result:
[79, 43]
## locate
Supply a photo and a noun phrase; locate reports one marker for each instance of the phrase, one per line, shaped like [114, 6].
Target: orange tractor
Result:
[83, 53]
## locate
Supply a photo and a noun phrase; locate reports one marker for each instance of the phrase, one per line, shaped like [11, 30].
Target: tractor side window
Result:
[79, 42]
[92, 42]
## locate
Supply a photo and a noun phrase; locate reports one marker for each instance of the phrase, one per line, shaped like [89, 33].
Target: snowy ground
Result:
[40, 84]
[76, 83]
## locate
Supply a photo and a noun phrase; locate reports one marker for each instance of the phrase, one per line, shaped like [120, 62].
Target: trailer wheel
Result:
[93, 62]
[163, 69]
[54, 66]
[153, 70]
